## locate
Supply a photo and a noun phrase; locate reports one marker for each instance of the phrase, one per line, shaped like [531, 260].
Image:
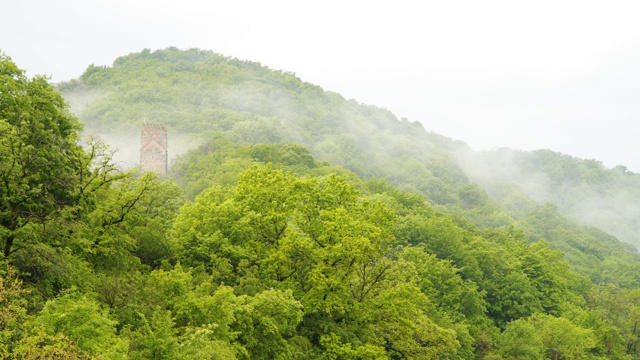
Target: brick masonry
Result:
[153, 148]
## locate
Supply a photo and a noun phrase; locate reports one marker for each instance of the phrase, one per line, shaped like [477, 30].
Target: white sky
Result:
[562, 75]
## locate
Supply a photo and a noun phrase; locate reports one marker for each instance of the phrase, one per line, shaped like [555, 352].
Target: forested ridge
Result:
[583, 189]
[305, 226]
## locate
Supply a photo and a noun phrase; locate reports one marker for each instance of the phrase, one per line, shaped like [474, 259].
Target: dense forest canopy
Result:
[304, 226]
[205, 94]
[582, 189]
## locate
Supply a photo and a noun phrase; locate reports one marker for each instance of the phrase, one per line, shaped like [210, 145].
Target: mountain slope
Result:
[204, 95]
[278, 255]
[582, 189]
[200, 93]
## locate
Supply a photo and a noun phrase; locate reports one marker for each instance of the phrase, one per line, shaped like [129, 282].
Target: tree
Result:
[40, 158]
[443, 284]
[131, 216]
[561, 338]
[83, 321]
[266, 322]
[328, 249]
[21, 335]
[541, 334]
[521, 340]
[157, 339]
[618, 308]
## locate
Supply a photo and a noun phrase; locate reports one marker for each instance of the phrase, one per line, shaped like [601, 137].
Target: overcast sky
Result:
[562, 75]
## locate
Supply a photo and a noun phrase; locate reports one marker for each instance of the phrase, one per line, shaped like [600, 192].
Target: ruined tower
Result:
[153, 148]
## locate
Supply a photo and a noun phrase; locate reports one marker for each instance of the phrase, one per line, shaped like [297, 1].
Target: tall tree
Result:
[41, 161]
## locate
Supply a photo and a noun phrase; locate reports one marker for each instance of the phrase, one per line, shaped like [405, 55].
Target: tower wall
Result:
[153, 148]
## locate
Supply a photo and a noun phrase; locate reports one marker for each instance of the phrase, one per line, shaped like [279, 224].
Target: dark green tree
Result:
[41, 162]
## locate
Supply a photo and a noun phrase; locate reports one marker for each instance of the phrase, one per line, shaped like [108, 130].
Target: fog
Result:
[585, 191]
[561, 75]
[526, 75]
[126, 146]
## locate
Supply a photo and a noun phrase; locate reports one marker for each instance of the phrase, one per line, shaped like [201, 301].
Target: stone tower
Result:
[153, 149]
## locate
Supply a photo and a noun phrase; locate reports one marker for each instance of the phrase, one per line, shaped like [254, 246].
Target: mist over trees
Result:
[303, 226]
[582, 189]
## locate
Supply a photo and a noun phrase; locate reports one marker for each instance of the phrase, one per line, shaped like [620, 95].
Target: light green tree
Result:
[561, 338]
[82, 320]
[521, 340]
[22, 336]
[332, 249]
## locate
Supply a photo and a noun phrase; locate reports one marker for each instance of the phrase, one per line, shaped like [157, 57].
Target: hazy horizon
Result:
[525, 75]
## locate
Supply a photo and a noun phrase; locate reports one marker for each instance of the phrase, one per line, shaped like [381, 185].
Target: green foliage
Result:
[266, 322]
[132, 217]
[318, 240]
[277, 255]
[582, 189]
[83, 321]
[209, 95]
[615, 314]
[21, 334]
[444, 285]
[546, 335]
[156, 340]
[206, 94]
[40, 162]
[592, 252]
[521, 340]
[561, 338]
[200, 93]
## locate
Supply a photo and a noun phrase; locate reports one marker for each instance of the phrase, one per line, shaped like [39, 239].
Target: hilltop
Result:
[200, 94]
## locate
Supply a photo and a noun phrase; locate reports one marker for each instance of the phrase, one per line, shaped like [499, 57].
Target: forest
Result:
[298, 225]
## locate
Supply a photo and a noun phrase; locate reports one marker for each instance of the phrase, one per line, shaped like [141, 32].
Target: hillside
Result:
[261, 248]
[200, 94]
[582, 189]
